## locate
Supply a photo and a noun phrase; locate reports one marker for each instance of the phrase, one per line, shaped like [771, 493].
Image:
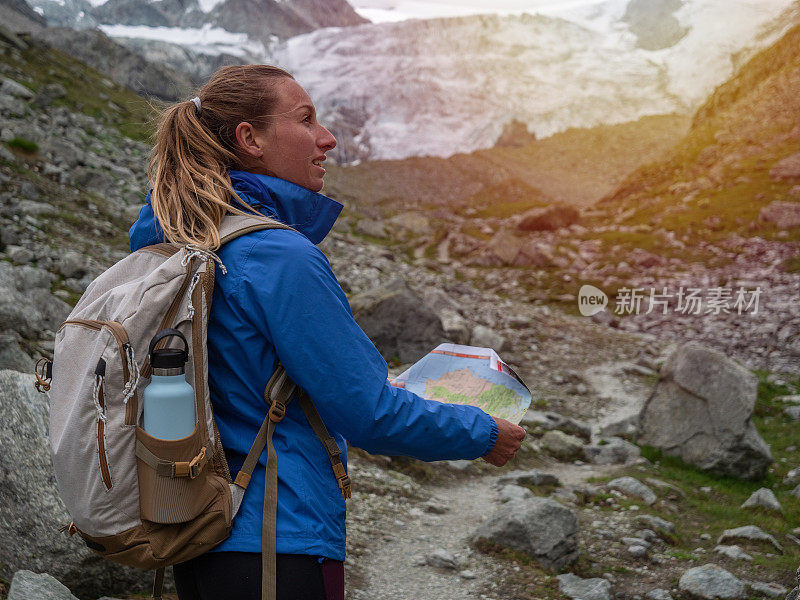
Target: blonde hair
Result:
[195, 148]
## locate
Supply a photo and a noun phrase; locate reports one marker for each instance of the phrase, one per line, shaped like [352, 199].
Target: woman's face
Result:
[293, 144]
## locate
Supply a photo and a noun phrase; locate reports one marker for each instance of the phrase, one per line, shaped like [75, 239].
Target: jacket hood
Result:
[310, 213]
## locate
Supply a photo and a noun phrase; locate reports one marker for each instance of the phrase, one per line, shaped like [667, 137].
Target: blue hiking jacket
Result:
[280, 300]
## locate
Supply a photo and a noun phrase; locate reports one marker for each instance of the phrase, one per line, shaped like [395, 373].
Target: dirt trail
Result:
[391, 569]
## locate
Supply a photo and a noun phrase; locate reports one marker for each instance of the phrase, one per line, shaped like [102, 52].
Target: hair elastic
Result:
[196, 101]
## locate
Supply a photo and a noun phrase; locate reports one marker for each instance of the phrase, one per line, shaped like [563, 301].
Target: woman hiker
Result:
[251, 139]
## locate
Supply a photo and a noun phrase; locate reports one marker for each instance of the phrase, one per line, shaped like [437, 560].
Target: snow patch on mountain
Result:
[208, 40]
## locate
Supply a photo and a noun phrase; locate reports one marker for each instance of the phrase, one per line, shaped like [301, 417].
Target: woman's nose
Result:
[326, 140]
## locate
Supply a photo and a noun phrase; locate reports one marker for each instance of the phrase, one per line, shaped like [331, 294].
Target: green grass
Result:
[23, 145]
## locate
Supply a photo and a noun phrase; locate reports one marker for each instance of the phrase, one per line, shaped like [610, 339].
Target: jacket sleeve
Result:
[289, 292]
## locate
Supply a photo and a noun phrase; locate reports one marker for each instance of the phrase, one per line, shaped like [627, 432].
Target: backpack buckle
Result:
[277, 411]
[342, 479]
[196, 464]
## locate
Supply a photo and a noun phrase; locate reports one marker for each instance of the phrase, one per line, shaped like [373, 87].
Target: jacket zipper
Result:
[121, 336]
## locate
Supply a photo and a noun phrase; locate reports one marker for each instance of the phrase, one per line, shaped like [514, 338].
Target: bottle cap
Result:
[168, 358]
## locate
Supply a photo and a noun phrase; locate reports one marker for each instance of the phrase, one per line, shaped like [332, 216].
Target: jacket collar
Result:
[310, 213]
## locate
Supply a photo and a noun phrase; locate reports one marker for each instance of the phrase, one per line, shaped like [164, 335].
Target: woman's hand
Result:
[509, 438]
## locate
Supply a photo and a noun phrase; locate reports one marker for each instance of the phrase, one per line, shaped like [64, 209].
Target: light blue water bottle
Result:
[169, 411]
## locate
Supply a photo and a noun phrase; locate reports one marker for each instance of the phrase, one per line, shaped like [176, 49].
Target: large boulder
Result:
[400, 324]
[28, 585]
[549, 218]
[711, 582]
[540, 527]
[26, 304]
[700, 411]
[31, 511]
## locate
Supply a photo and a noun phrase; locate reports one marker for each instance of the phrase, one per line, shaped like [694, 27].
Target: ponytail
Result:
[195, 148]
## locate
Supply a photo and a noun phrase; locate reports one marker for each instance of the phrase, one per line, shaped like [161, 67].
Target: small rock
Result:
[770, 590]
[705, 536]
[441, 559]
[763, 498]
[749, 532]
[487, 338]
[792, 476]
[14, 88]
[532, 477]
[633, 541]
[514, 492]
[637, 551]
[584, 589]
[611, 451]
[633, 487]
[656, 523]
[711, 582]
[796, 491]
[733, 552]
[658, 594]
[26, 585]
[793, 412]
[467, 574]
[562, 445]
[435, 508]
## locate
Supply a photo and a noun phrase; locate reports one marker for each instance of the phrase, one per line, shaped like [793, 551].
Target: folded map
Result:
[468, 375]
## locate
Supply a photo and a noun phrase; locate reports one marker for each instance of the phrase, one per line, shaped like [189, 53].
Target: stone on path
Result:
[711, 582]
[633, 487]
[658, 594]
[467, 574]
[637, 551]
[441, 559]
[612, 451]
[531, 477]
[749, 532]
[700, 410]
[733, 552]
[584, 589]
[562, 445]
[796, 491]
[542, 528]
[27, 585]
[514, 492]
[763, 498]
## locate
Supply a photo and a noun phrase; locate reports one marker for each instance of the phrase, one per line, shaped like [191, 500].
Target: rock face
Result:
[397, 321]
[700, 410]
[30, 509]
[540, 527]
[549, 218]
[711, 582]
[27, 585]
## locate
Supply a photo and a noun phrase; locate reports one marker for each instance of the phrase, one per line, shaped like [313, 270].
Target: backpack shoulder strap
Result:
[234, 226]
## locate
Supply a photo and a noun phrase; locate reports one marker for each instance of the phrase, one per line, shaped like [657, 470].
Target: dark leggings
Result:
[237, 576]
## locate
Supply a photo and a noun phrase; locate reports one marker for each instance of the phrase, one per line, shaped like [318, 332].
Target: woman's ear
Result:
[247, 140]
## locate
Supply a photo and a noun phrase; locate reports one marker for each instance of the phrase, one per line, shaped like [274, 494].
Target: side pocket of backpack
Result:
[174, 477]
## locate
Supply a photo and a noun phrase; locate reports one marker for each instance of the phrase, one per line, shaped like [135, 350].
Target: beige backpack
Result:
[133, 498]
